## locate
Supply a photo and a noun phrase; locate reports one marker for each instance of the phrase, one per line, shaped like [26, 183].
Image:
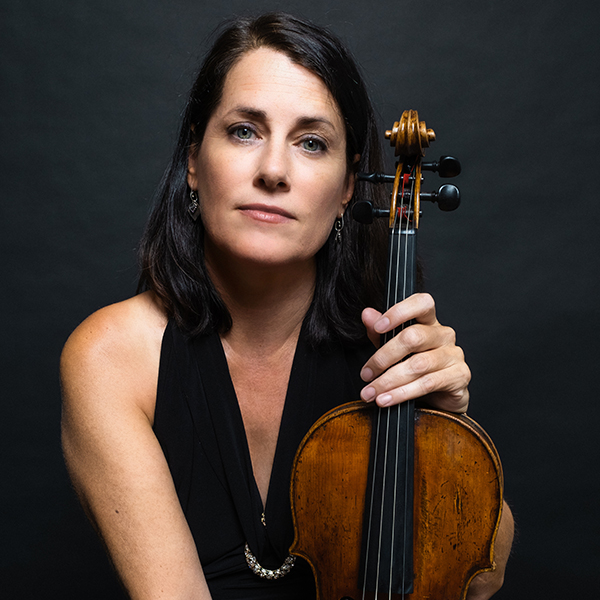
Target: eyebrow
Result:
[256, 113]
[249, 111]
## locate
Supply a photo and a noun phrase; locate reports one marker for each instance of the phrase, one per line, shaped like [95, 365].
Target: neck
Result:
[267, 303]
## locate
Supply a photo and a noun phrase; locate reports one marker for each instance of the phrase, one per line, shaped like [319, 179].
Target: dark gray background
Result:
[91, 93]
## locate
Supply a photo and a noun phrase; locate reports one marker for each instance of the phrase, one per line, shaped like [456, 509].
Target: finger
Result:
[418, 307]
[448, 359]
[369, 317]
[413, 340]
[445, 389]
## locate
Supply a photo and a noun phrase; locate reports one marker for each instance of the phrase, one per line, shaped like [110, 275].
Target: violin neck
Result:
[388, 526]
[401, 269]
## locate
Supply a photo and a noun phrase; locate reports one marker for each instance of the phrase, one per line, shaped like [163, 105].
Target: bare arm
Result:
[109, 371]
[485, 585]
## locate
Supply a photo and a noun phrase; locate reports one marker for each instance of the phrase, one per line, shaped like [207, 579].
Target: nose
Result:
[273, 172]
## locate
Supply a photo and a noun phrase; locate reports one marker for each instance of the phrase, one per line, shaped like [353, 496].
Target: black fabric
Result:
[200, 428]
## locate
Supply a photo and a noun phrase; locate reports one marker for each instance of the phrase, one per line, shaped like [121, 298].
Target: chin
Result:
[276, 259]
[265, 251]
[268, 248]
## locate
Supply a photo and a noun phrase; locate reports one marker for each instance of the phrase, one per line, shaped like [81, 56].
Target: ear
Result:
[351, 180]
[192, 171]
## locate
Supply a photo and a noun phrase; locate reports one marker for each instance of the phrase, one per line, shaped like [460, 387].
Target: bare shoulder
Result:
[113, 356]
[109, 373]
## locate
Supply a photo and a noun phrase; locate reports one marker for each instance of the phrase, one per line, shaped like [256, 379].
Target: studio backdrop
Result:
[91, 97]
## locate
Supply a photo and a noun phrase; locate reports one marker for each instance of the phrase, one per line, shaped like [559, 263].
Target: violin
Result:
[402, 501]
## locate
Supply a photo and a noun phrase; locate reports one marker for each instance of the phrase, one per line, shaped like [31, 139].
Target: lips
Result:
[266, 213]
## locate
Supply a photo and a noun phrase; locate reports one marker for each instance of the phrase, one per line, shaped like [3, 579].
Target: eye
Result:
[313, 145]
[243, 133]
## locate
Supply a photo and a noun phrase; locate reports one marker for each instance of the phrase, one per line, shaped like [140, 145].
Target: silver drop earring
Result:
[338, 226]
[194, 207]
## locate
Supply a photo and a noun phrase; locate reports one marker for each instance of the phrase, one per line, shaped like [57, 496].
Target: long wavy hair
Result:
[348, 274]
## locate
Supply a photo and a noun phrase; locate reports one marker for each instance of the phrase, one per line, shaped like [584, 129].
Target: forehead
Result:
[266, 78]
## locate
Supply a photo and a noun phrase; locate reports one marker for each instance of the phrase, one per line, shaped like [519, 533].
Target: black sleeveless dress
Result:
[199, 426]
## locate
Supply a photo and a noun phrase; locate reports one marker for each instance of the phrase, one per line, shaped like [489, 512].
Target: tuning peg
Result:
[364, 212]
[447, 197]
[375, 177]
[446, 166]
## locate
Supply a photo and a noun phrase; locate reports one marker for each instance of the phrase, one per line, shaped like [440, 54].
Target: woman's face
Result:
[271, 172]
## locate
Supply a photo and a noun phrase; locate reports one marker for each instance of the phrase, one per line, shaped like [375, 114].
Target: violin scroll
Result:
[410, 138]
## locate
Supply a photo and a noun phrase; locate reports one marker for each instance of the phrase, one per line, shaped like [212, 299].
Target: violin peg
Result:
[364, 212]
[447, 197]
[446, 166]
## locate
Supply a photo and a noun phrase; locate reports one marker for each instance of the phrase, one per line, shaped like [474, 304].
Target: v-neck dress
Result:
[199, 426]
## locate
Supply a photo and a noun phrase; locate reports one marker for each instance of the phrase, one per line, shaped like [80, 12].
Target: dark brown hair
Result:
[171, 251]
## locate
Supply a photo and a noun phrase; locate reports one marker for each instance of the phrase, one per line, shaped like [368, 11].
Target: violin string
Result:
[382, 507]
[407, 412]
[397, 457]
[391, 285]
[398, 416]
[371, 508]
[399, 249]
[391, 300]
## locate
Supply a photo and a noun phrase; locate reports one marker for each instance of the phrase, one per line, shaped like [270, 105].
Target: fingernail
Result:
[366, 374]
[384, 400]
[382, 325]
[368, 394]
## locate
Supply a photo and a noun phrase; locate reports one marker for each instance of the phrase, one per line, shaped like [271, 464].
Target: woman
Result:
[183, 406]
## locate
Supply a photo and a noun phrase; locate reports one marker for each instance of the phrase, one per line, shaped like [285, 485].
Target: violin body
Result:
[457, 502]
